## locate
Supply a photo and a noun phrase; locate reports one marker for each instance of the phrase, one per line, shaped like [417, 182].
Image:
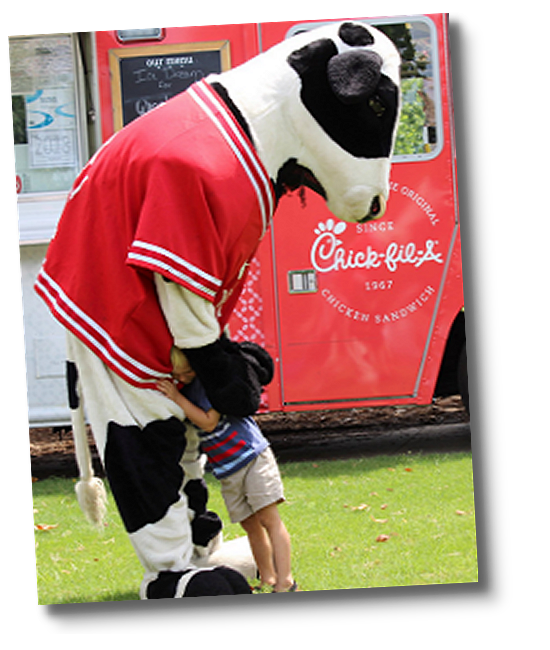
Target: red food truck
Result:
[355, 315]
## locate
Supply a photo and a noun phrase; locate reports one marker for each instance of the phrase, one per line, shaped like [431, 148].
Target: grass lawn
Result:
[367, 522]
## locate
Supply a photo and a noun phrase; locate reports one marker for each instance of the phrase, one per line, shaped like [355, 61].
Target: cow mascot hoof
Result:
[218, 581]
[152, 252]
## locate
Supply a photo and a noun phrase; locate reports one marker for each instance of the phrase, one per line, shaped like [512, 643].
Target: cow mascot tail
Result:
[90, 489]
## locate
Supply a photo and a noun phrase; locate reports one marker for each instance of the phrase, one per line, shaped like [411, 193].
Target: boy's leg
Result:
[270, 519]
[261, 549]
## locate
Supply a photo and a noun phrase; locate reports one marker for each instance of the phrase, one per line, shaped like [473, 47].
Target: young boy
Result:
[242, 460]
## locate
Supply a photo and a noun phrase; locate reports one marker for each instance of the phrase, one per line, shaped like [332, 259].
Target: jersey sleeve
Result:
[191, 319]
[176, 234]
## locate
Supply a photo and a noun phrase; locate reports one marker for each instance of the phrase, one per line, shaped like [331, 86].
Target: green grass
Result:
[419, 508]
[422, 506]
[75, 563]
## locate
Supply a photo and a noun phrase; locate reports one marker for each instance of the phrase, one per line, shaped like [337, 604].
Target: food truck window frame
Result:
[116, 56]
[431, 150]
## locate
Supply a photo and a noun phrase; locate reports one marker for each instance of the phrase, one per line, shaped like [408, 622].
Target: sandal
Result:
[293, 587]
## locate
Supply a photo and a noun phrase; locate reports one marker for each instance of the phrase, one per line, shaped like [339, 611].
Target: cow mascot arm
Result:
[232, 373]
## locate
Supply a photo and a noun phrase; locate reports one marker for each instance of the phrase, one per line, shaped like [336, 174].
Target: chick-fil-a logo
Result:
[329, 254]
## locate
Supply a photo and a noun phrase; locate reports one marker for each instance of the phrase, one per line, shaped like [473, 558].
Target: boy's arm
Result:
[204, 420]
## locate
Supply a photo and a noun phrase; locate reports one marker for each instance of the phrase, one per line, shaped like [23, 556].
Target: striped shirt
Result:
[234, 443]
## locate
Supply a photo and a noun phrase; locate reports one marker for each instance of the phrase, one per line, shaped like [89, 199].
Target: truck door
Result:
[357, 304]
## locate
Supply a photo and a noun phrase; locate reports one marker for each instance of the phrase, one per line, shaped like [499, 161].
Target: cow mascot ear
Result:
[354, 75]
[232, 374]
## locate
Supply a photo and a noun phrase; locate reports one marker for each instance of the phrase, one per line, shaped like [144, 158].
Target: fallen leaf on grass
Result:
[408, 469]
[361, 506]
[382, 538]
[45, 526]
[383, 506]
[379, 521]
[460, 512]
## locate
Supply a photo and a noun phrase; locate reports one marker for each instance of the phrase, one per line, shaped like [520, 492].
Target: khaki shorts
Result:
[253, 487]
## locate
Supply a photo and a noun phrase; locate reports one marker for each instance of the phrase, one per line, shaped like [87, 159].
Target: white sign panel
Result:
[52, 148]
[51, 128]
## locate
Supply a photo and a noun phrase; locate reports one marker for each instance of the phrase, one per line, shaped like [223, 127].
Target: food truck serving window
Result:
[419, 134]
[45, 124]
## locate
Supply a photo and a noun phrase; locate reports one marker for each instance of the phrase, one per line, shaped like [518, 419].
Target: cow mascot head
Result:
[326, 119]
[152, 251]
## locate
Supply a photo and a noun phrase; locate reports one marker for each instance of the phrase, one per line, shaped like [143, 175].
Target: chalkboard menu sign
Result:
[143, 77]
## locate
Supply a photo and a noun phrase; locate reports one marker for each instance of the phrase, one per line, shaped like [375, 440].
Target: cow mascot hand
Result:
[233, 374]
[152, 251]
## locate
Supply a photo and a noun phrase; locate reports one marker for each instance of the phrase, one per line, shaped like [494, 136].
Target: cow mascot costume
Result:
[152, 251]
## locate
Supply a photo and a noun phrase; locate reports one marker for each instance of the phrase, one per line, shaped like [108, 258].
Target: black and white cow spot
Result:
[142, 465]
[220, 581]
[355, 35]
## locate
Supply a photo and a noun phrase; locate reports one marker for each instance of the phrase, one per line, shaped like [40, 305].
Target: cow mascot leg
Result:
[155, 474]
[152, 251]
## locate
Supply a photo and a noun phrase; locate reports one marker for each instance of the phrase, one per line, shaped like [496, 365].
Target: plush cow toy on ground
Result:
[152, 251]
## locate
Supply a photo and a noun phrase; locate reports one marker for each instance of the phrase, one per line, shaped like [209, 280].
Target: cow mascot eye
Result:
[377, 106]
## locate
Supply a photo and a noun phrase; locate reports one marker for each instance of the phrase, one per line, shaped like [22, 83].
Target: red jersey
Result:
[181, 192]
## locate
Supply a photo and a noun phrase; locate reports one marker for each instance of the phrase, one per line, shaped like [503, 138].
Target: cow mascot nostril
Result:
[152, 252]
[377, 208]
